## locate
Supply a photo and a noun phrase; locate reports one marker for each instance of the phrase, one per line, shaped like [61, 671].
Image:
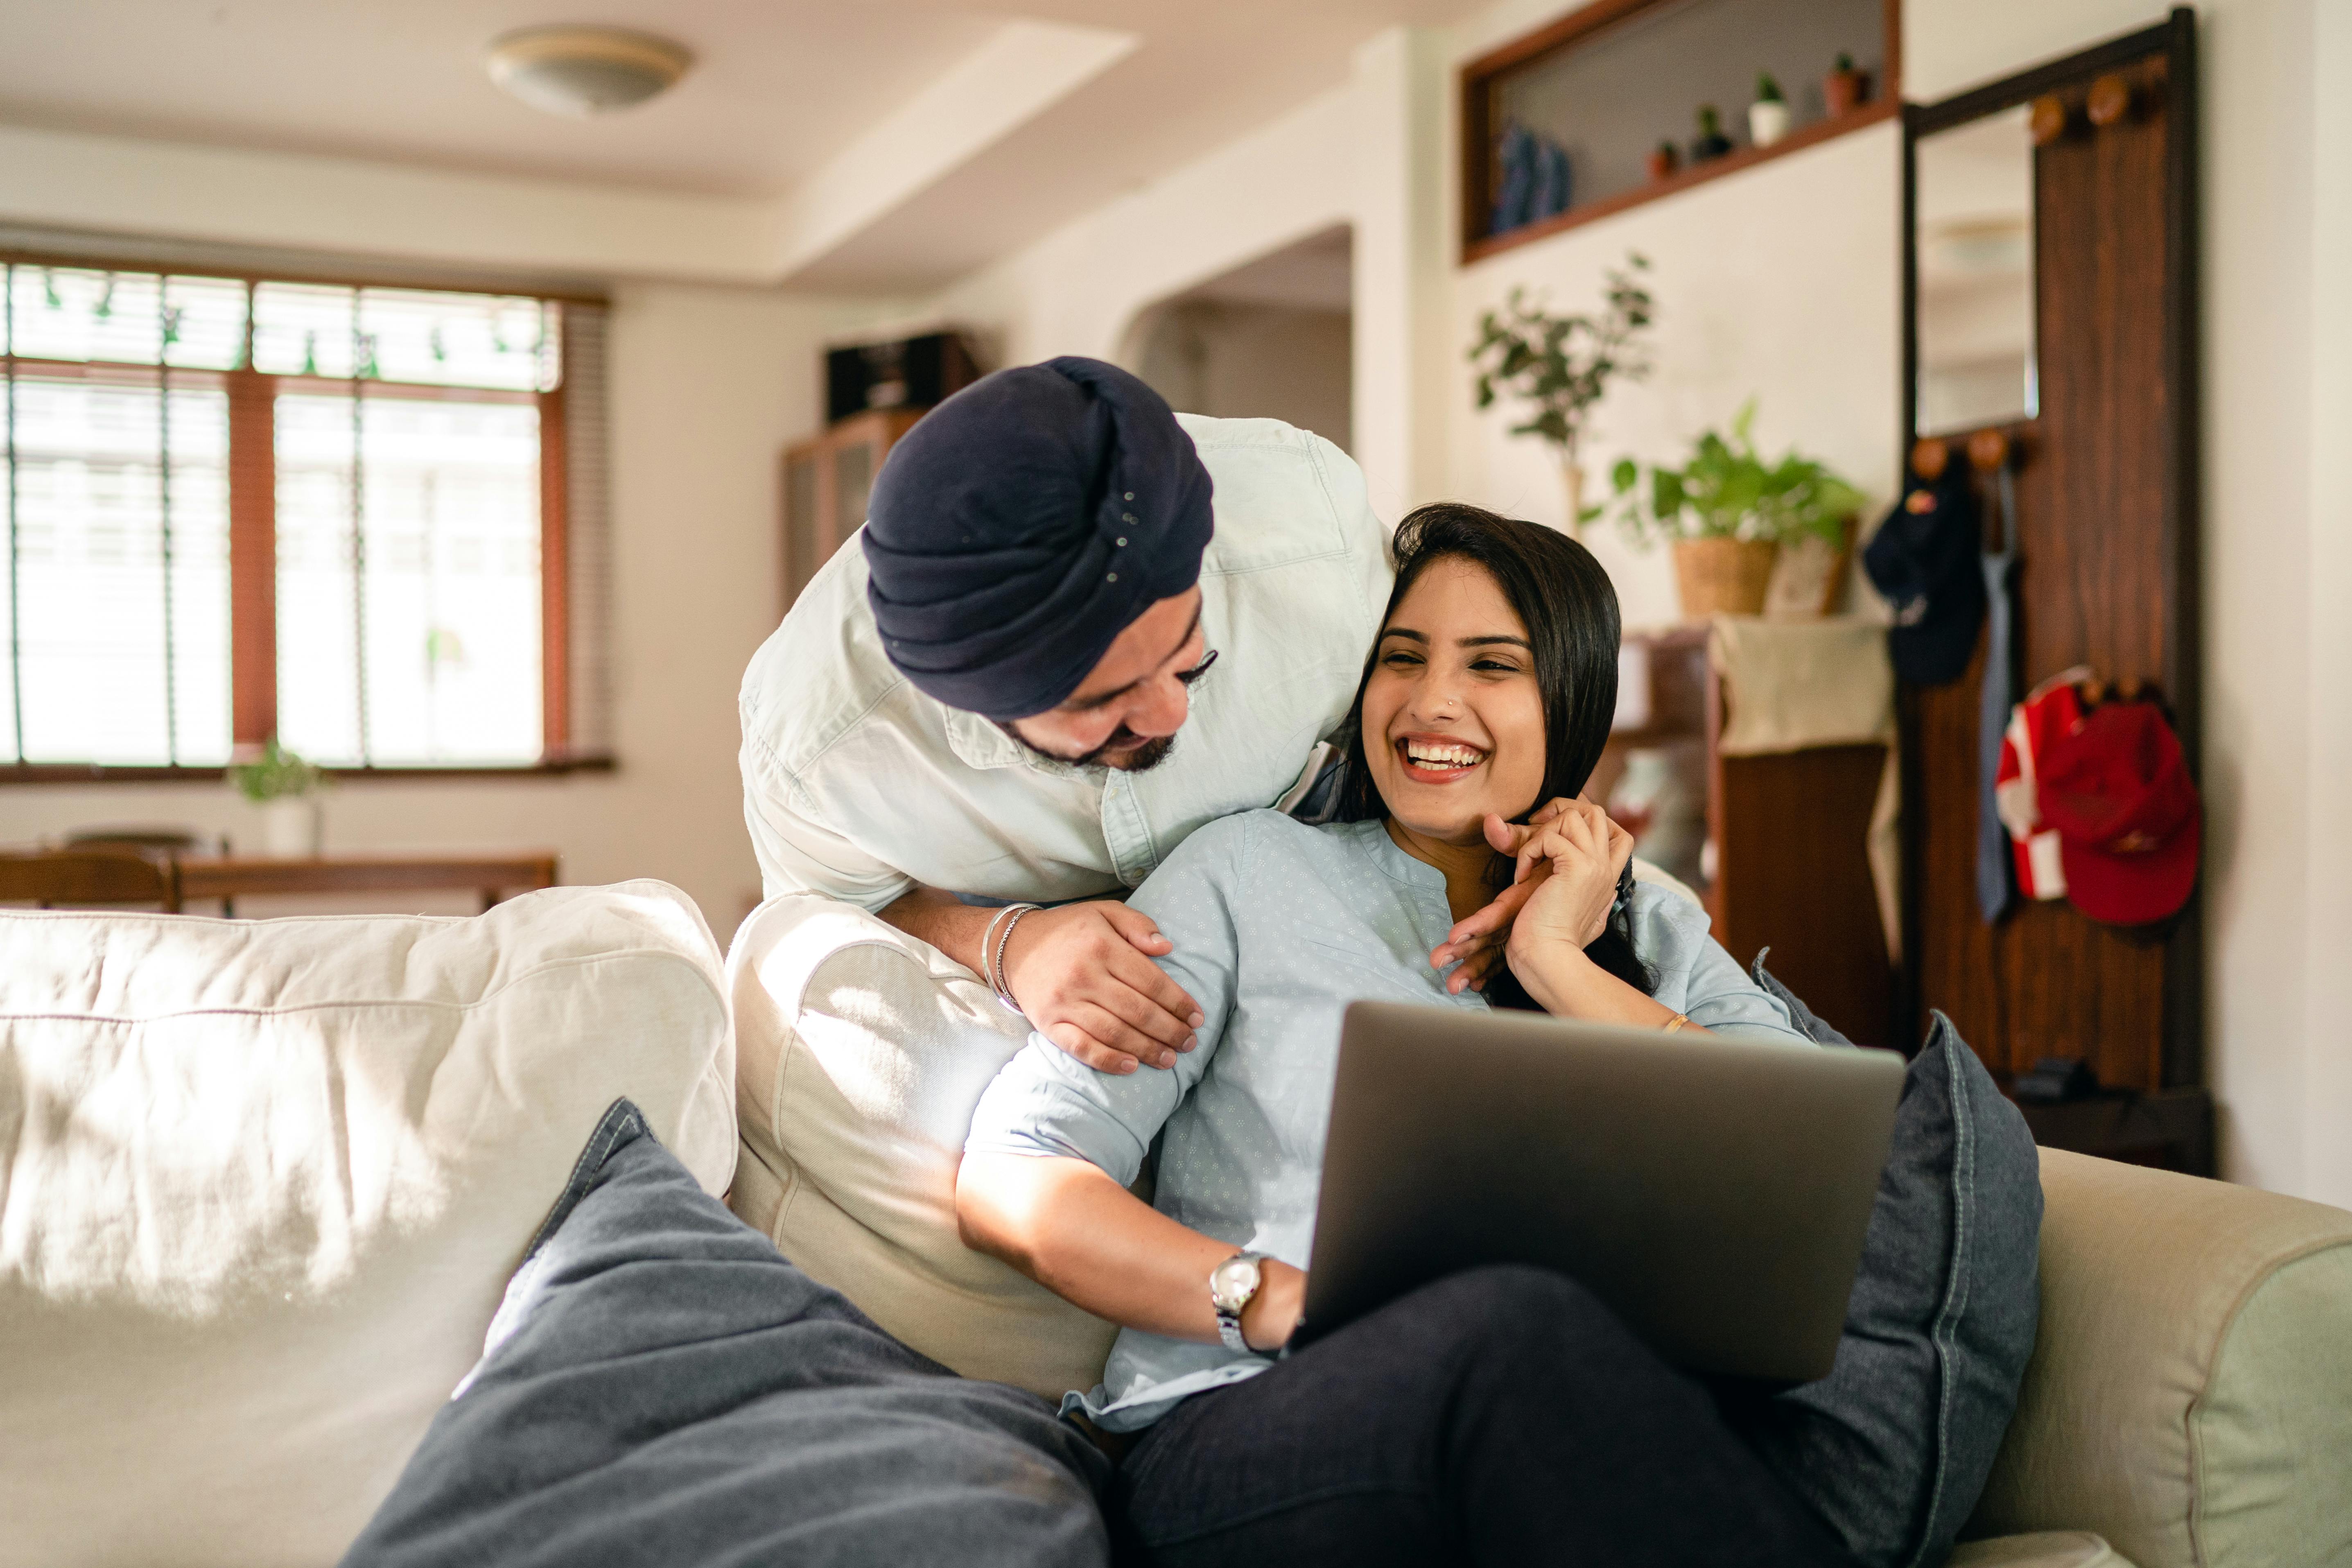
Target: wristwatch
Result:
[1232, 1284]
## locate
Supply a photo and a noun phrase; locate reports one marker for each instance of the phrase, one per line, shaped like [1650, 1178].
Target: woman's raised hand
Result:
[1573, 857]
[1477, 940]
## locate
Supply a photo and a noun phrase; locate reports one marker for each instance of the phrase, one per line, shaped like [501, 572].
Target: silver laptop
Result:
[1713, 1192]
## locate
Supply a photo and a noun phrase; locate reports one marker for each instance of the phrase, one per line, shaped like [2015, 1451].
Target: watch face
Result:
[1232, 1282]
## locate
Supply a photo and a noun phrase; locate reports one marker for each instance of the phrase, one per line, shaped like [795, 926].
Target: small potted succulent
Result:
[1843, 88]
[287, 789]
[1711, 142]
[1560, 366]
[1768, 117]
[1664, 159]
[1727, 513]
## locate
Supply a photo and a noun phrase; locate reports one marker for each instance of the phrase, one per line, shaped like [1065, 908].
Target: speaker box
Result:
[913, 373]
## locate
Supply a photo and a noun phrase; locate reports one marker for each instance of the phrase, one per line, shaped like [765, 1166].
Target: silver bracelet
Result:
[987, 946]
[1003, 988]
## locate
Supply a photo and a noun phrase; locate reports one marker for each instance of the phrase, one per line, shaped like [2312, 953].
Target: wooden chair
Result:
[49, 878]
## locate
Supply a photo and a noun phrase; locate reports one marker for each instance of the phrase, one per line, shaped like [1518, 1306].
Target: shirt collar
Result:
[979, 743]
[1399, 866]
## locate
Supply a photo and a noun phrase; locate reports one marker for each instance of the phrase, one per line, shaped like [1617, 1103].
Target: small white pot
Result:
[292, 827]
[1767, 123]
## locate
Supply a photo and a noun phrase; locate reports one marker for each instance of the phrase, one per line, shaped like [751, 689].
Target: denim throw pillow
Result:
[1893, 1447]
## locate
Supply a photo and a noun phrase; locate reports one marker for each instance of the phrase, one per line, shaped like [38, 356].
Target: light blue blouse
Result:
[1277, 926]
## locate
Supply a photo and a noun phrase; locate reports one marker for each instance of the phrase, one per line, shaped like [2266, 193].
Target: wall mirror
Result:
[1973, 236]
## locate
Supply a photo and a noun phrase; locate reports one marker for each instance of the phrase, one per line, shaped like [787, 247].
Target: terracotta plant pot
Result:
[1723, 576]
[1664, 161]
[1843, 92]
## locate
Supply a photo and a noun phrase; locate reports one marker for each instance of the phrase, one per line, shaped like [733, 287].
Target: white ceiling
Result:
[781, 89]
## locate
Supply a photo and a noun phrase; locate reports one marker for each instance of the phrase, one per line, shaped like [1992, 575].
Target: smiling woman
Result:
[1490, 688]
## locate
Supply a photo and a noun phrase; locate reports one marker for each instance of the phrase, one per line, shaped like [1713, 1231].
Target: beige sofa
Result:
[262, 1184]
[2188, 1405]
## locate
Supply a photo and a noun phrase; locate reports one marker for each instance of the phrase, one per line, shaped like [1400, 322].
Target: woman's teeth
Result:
[1429, 754]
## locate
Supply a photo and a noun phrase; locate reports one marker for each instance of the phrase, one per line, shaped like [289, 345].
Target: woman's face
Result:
[1454, 724]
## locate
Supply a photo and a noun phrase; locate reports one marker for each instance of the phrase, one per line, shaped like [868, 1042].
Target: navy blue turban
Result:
[1022, 525]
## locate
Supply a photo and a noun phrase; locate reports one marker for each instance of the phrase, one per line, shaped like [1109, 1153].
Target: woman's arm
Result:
[1578, 855]
[1068, 1225]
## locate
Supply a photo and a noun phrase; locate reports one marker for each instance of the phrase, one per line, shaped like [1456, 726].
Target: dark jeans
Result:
[1503, 1416]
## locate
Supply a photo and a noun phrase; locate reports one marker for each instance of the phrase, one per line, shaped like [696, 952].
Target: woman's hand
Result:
[1477, 940]
[1272, 1314]
[1573, 859]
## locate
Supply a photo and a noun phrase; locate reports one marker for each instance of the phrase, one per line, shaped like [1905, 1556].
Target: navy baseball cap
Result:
[1926, 561]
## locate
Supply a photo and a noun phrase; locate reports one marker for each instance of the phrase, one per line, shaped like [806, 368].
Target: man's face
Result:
[1126, 712]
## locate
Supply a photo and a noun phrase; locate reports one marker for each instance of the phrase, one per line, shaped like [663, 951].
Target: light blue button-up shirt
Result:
[1278, 927]
[858, 786]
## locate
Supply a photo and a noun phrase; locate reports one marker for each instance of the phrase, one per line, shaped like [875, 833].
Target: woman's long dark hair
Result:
[1570, 608]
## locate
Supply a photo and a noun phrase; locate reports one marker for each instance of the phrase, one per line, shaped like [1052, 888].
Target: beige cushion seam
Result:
[549, 967]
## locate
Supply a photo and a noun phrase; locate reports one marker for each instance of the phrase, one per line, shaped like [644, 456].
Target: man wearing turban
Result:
[1077, 626]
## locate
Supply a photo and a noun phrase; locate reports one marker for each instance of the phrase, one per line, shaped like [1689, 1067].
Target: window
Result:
[346, 515]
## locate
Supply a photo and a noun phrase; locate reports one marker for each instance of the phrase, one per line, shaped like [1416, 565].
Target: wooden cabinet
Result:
[827, 481]
[1788, 864]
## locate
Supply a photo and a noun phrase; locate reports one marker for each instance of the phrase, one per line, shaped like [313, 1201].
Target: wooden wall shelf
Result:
[1674, 184]
[1608, 81]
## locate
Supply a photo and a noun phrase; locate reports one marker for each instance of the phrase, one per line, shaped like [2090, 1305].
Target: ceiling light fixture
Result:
[581, 72]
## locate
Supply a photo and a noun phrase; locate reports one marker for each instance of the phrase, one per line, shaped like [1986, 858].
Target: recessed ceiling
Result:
[783, 94]
[778, 85]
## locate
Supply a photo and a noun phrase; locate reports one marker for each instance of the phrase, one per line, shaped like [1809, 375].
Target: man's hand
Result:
[1084, 974]
[1477, 940]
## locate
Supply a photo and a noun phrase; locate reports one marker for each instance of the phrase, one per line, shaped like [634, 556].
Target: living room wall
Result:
[2278, 659]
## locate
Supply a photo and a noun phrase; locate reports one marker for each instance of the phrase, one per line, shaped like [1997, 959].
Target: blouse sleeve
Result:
[1695, 977]
[1046, 1102]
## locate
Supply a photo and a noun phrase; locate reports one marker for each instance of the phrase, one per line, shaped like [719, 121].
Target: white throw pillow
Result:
[262, 1184]
[860, 1055]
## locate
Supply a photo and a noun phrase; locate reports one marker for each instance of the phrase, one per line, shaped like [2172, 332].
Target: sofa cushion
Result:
[862, 1052]
[2191, 1398]
[263, 1182]
[1893, 1447]
[661, 1388]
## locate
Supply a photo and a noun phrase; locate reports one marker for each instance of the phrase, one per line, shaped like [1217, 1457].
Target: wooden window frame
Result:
[252, 478]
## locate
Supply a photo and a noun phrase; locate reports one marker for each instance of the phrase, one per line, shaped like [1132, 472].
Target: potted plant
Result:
[1560, 366]
[1711, 142]
[1843, 88]
[1726, 512]
[1663, 159]
[287, 789]
[1768, 117]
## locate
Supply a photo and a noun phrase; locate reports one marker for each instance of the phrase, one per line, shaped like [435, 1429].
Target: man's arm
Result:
[1082, 973]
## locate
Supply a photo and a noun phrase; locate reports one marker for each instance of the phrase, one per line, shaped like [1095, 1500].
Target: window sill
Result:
[94, 772]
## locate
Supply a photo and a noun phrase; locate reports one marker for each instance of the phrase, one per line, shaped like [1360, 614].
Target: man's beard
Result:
[1141, 758]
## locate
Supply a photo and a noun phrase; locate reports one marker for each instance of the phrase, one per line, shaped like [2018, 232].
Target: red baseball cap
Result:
[2118, 790]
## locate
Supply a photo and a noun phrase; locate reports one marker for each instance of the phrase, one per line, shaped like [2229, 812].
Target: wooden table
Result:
[232, 877]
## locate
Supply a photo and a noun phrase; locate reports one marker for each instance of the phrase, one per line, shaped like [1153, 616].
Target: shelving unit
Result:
[1611, 80]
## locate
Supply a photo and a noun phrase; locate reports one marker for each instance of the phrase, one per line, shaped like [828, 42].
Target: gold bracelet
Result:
[1678, 1020]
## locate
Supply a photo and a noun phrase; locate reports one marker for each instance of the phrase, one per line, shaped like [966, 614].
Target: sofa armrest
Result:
[2190, 1396]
